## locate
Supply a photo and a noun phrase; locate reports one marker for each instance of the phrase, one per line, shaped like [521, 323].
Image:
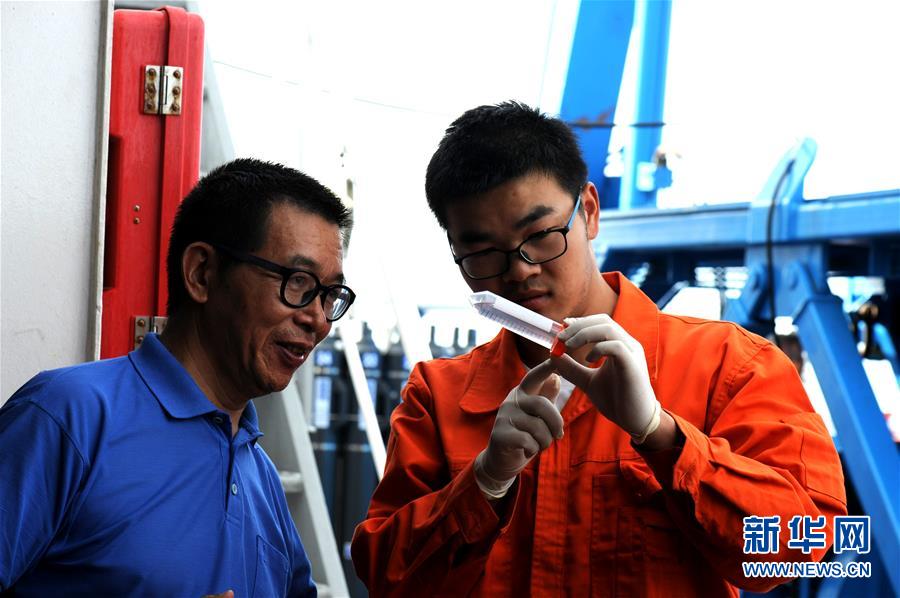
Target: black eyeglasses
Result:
[300, 287]
[539, 248]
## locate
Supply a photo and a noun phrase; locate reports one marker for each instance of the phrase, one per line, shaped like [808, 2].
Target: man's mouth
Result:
[294, 354]
[534, 301]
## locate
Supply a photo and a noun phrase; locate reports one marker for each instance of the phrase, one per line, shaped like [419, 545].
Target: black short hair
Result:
[231, 206]
[491, 145]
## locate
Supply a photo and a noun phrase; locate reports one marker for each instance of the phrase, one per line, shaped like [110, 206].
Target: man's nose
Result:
[312, 317]
[519, 269]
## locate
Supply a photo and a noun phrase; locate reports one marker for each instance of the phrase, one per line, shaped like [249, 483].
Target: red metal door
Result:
[154, 160]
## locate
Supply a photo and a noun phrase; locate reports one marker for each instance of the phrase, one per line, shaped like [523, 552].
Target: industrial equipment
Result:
[788, 246]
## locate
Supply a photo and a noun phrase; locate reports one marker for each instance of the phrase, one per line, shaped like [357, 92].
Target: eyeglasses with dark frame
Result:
[539, 248]
[300, 287]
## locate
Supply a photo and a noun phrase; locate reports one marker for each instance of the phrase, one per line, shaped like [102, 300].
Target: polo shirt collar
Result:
[496, 367]
[250, 422]
[169, 382]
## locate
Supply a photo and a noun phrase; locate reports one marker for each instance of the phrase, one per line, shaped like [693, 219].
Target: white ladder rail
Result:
[287, 441]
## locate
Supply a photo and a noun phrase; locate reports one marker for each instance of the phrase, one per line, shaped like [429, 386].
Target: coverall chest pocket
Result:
[271, 577]
[636, 550]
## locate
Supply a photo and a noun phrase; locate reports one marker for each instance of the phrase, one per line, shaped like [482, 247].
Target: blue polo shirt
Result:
[119, 477]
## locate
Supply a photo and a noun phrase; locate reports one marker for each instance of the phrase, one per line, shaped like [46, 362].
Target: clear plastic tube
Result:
[518, 319]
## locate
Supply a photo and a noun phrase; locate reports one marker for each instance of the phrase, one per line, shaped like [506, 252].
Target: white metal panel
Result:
[54, 108]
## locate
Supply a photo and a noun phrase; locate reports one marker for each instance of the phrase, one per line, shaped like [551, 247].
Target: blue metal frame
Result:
[787, 244]
[863, 217]
[883, 338]
[592, 84]
[651, 31]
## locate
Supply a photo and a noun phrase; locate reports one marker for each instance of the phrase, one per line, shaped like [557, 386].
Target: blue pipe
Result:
[651, 25]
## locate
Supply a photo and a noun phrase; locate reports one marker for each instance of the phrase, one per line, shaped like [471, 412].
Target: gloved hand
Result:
[526, 423]
[620, 388]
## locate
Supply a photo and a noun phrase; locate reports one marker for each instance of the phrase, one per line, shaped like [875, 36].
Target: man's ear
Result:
[590, 200]
[198, 268]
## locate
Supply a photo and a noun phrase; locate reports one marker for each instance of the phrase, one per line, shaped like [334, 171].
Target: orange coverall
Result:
[591, 515]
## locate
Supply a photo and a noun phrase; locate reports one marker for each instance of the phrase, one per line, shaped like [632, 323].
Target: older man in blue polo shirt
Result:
[141, 475]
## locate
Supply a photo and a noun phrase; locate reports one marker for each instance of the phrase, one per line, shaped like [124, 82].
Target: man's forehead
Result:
[308, 250]
[295, 225]
[305, 240]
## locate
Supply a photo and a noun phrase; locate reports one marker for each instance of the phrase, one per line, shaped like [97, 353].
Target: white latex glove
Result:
[620, 388]
[526, 423]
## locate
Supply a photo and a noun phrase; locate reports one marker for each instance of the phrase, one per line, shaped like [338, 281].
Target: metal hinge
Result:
[163, 94]
[144, 325]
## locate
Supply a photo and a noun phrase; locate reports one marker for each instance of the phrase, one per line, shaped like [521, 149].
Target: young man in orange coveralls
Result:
[633, 483]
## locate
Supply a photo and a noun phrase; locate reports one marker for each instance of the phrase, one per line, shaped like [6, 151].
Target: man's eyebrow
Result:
[301, 261]
[473, 237]
[531, 217]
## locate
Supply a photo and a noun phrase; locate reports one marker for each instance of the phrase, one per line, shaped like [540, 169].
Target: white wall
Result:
[53, 140]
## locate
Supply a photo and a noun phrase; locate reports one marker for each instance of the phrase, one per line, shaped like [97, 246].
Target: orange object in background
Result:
[154, 160]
